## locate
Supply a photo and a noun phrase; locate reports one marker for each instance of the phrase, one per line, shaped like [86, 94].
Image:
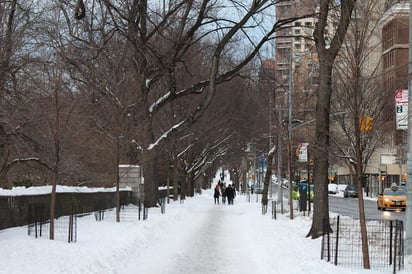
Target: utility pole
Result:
[408, 215]
[280, 182]
[290, 133]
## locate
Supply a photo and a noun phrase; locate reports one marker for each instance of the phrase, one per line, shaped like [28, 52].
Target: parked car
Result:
[285, 183]
[296, 194]
[332, 188]
[258, 190]
[393, 197]
[351, 191]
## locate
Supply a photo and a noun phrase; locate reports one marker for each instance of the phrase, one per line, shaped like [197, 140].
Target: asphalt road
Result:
[350, 207]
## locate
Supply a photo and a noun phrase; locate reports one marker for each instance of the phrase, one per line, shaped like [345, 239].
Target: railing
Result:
[343, 246]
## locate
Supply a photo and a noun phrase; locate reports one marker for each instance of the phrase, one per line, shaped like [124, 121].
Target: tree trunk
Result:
[151, 191]
[175, 182]
[4, 158]
[362, 223]
[53, 206]
[183, 188]
[359, 175]
[116, 169]
[190, 185]
[320, 223]
[268, 177]
[244, 182]
[117, 177]
[326, 54]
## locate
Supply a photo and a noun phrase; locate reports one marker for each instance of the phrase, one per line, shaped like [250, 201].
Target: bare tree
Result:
[327, 54]
[17, 21]
[360, 97]
[54, 110]
[181, 25]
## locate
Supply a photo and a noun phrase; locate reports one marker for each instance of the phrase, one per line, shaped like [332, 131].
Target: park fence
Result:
[65, 227]
[20, 210]
[343, 246]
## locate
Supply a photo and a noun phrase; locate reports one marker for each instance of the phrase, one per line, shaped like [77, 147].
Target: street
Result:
[350, 207]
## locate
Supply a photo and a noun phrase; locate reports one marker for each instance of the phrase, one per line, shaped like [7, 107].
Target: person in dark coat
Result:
[223, 189]
[216, 195]
[230, 194]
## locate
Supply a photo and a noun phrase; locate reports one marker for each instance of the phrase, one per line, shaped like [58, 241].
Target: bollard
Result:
[274, 210]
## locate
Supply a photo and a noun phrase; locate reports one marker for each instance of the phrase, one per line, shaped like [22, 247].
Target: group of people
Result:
[227, 192]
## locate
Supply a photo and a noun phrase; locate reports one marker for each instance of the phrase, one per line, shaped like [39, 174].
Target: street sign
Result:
[302, 152]
[401, 109]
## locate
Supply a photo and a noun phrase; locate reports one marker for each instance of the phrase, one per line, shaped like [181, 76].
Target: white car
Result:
[332, 188]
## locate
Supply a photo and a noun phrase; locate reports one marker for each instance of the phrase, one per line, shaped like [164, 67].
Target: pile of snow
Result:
[39, 190]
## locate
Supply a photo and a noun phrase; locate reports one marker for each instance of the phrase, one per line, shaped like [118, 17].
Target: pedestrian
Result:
[230, 193]
[223, 188]
[216, 195]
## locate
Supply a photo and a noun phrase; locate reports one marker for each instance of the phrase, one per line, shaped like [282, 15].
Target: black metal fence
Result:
[65, 229]
[343, 246]
[16, 210]
[129, 213]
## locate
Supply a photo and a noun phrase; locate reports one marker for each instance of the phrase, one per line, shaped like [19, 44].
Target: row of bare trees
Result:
[125, 82]
[163, 84]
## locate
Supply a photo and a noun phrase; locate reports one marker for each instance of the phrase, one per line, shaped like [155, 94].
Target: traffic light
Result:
[366, 123]
[369, 123]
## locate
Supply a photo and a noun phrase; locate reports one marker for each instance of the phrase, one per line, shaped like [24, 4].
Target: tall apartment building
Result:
[395, 54]
[293, 41]
[295, 55]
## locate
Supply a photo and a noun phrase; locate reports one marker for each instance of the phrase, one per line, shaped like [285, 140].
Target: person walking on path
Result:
[223, 188]
[216, 195]
[230, 193]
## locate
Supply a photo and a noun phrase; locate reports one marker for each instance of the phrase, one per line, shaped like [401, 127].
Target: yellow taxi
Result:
[393, 197]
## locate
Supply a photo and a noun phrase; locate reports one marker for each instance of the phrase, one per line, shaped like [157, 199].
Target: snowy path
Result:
[218, 242]
[219, 251]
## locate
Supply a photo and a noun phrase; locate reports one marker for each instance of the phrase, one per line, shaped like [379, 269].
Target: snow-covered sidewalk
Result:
[196, 236]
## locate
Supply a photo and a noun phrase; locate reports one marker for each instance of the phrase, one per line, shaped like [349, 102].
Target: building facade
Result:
[295, 53]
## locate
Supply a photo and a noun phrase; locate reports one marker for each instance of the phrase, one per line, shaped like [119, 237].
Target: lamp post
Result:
[290, 135]
[408, 215]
